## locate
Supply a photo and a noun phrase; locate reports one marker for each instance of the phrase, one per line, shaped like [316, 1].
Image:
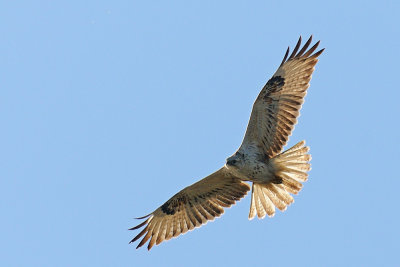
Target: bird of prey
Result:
[274, 175]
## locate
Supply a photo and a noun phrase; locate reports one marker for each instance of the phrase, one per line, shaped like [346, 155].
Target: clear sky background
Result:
[108, 108]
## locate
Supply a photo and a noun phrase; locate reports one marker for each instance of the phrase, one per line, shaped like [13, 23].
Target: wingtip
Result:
[140, 225]
[317, 54]
[286, 55]
[311, 50]
[140, 218]
[296, 48]
[150, 245]
[303, 53]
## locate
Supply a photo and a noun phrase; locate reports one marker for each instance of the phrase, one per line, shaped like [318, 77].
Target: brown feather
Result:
[285, 57]
[306, 45]
[295, 49]
[311, 50]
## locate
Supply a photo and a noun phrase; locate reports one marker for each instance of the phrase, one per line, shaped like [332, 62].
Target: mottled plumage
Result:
[275, 175]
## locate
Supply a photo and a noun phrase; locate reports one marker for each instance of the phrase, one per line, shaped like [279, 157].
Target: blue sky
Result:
[108, 108]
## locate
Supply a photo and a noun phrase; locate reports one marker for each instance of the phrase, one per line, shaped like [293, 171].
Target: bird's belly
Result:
[259, 172]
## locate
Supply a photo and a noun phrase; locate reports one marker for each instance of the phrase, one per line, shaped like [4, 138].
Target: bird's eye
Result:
[231, 162]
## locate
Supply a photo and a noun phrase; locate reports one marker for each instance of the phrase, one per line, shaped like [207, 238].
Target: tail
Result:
[292, 166]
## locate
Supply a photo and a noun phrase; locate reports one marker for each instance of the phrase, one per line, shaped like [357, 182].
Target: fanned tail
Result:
[292, 166]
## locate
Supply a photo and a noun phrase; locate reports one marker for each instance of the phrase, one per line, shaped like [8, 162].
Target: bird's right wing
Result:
[192, 207]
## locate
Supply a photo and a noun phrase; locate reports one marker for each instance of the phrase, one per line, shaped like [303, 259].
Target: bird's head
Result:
[235, 161]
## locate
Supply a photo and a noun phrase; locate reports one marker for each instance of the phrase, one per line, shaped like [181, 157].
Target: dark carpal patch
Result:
[274, 85]
[173, 205]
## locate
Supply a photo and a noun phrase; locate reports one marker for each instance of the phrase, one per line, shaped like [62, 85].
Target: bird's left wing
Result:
[191, 207]
[277, 107]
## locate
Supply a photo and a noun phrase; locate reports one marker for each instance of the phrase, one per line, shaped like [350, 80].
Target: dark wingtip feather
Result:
[296, 48]
[138, 226]
[306, 45]
[286, 55]
[311, 50]
[318, 53]
[151, 244]
[143, 241]
[303, 53]
[139, 218]
[139, 235]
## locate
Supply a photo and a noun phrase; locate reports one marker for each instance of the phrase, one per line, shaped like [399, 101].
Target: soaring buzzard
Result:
[274, 174]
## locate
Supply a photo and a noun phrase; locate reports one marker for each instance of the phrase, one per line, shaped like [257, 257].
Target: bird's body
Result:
[274, 174]
[249, 163]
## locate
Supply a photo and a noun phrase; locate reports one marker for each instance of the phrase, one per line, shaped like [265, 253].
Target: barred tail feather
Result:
[292, 166]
